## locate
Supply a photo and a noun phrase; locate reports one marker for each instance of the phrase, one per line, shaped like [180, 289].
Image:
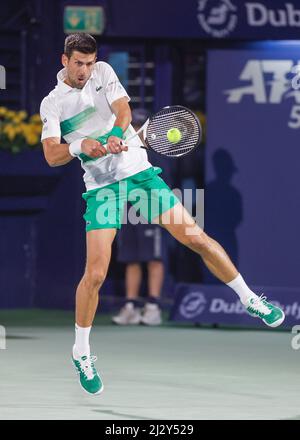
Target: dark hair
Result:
[81, 42]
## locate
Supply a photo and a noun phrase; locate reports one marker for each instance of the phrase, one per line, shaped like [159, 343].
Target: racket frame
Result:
[196, 120]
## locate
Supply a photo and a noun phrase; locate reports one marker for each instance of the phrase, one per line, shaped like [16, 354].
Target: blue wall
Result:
[42, 240]
[252, 163]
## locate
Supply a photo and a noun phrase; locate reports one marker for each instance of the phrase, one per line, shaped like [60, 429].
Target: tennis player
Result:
[89, 109]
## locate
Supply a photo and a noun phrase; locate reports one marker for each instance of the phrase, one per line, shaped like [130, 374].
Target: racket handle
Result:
[135, 146]
[132, 146]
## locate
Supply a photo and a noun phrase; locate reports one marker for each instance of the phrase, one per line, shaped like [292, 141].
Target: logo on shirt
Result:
[98, 88]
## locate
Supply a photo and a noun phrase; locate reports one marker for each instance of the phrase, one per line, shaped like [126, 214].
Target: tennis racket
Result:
[174, 131]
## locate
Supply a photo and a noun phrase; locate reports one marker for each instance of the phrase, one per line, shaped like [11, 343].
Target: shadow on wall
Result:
[223, 207]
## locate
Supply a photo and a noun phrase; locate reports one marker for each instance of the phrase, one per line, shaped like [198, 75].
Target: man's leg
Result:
[130, 314]
[152, 311]
[99, 244]
[183, 227]
[155, 278]
[133, 280]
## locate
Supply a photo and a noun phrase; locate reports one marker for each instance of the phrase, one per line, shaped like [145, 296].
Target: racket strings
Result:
[170, 118]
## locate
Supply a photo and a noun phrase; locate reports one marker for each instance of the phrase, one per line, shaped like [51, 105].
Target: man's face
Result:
[79, 68]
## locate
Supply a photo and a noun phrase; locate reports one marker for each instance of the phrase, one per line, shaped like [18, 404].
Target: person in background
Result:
[138, 244]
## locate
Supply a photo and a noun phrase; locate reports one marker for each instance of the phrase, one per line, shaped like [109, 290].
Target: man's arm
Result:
[122, 111]
[57, 154]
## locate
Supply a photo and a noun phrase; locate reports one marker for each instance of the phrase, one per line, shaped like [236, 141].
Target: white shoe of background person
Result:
[151, 315]
[128, 315]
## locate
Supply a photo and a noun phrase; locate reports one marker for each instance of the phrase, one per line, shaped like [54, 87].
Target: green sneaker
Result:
[88, 377]
[259, 308]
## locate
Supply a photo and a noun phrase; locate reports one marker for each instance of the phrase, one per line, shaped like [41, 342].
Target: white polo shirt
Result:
[77, 113]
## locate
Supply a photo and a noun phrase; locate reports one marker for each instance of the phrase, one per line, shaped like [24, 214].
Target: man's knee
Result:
[94, 278]
[198, 242]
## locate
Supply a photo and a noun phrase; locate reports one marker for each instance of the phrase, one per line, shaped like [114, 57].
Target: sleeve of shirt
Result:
[112, 86]
[50, 119]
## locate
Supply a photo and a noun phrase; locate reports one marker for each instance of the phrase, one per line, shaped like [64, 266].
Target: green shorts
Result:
[148, 194]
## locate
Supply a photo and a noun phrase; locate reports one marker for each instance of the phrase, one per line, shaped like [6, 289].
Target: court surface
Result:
[168, 372]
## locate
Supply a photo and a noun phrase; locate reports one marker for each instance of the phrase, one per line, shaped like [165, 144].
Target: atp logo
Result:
[193, 304]
[217, 17]
[268, 82]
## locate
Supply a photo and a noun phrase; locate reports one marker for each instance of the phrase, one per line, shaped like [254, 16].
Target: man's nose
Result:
[83, 69]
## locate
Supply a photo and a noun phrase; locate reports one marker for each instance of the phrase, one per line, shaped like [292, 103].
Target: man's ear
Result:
[64, 60]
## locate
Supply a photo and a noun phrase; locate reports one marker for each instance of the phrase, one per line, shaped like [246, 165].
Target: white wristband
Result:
[75, 147]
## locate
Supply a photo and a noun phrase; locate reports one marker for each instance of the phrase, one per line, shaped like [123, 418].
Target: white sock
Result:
[241, 288]
[82, 345]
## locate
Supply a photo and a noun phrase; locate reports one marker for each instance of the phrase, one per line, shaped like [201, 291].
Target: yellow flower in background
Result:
[35, 118]
[6, 128]
[10, 114]
[18, 130]
[9, 130]
[22, 115]
[37, 128]
[11, 135]
[26, 129]
[3, 111]
[32, 139]
[22, 126]
[16, 119]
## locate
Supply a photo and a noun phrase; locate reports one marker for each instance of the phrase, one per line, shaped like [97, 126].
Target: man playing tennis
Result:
[89, 108]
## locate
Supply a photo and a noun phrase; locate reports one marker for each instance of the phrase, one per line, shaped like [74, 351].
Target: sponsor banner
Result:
[217, 19]
[218, 304]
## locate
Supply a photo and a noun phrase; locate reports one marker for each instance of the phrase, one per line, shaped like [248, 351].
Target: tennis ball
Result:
[174, 135]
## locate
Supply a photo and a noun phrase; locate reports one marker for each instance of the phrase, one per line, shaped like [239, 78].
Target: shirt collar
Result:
[65, 88]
